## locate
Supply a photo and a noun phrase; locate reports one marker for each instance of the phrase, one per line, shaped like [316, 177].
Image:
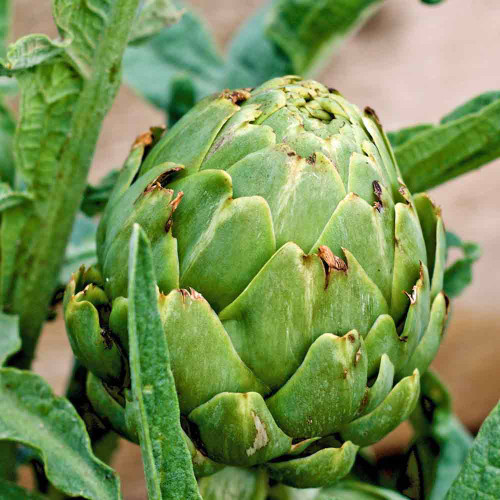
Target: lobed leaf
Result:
[34, 416]
[466, 139]
[63, 103]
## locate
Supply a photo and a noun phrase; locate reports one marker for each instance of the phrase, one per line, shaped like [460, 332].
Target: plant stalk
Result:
[36, 283]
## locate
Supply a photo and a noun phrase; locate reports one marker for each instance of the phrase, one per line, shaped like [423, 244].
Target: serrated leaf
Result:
[10, 342]
[186, 48]
[62, 105]
[10, 491]
[166, 458]
[480, 475]
[466, 139]
[33, 416]
[153, 16]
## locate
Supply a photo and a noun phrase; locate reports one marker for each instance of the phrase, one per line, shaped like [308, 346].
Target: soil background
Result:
[412, 63]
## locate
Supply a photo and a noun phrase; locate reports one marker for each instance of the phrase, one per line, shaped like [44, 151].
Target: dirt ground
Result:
[412, 63]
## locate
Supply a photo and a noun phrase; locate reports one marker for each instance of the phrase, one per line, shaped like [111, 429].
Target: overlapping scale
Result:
[285, 210]
[301, 194]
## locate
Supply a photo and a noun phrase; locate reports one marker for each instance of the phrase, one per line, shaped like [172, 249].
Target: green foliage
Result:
[466, 139]
[166, 458]
[67, 86]
[33, 416]
[480, 476]
[458, 275]
[10, 342]
[283, 37]
[442, 442]
[59, 99]
[187, 48]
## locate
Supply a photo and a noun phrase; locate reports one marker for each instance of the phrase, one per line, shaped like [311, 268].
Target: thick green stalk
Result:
[35, 281]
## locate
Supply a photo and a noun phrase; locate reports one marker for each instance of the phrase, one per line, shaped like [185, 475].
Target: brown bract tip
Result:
[175, 202]
[412, 296]
[145, 139]
[357, 358]
[236, 96]
[152, 186]
[371, 112]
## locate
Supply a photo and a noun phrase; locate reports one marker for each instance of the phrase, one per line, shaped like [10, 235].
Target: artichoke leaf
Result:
[381, 387]
[296, 189]
[394, 409]
[323, 468]
[203, 360]
[326, 390]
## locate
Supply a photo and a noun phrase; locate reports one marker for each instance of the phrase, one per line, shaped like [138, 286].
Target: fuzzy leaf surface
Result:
[34, 416]
[166, 458]
[480, 475]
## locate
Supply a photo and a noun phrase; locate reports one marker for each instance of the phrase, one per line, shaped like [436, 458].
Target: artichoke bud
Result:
[299, 281]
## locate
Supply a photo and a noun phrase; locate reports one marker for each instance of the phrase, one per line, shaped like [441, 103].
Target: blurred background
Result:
[412, 63]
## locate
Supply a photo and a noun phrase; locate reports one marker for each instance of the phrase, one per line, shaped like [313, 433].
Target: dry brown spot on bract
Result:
[311, 159]
[145, 139]
[351, 338]
[330, 261]
[194, 294]
[357, 358]
[412, 296]
[151, 187]
[236, 96]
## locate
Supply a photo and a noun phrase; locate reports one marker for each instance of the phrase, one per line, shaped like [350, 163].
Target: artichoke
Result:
[299, 282]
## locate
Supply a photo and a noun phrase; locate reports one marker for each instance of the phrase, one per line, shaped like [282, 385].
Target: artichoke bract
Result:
[299, 282]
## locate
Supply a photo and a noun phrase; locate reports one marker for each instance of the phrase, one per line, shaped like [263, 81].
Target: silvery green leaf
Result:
[34, 416]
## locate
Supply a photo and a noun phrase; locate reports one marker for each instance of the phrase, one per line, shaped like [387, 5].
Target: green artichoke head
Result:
[300, 283]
